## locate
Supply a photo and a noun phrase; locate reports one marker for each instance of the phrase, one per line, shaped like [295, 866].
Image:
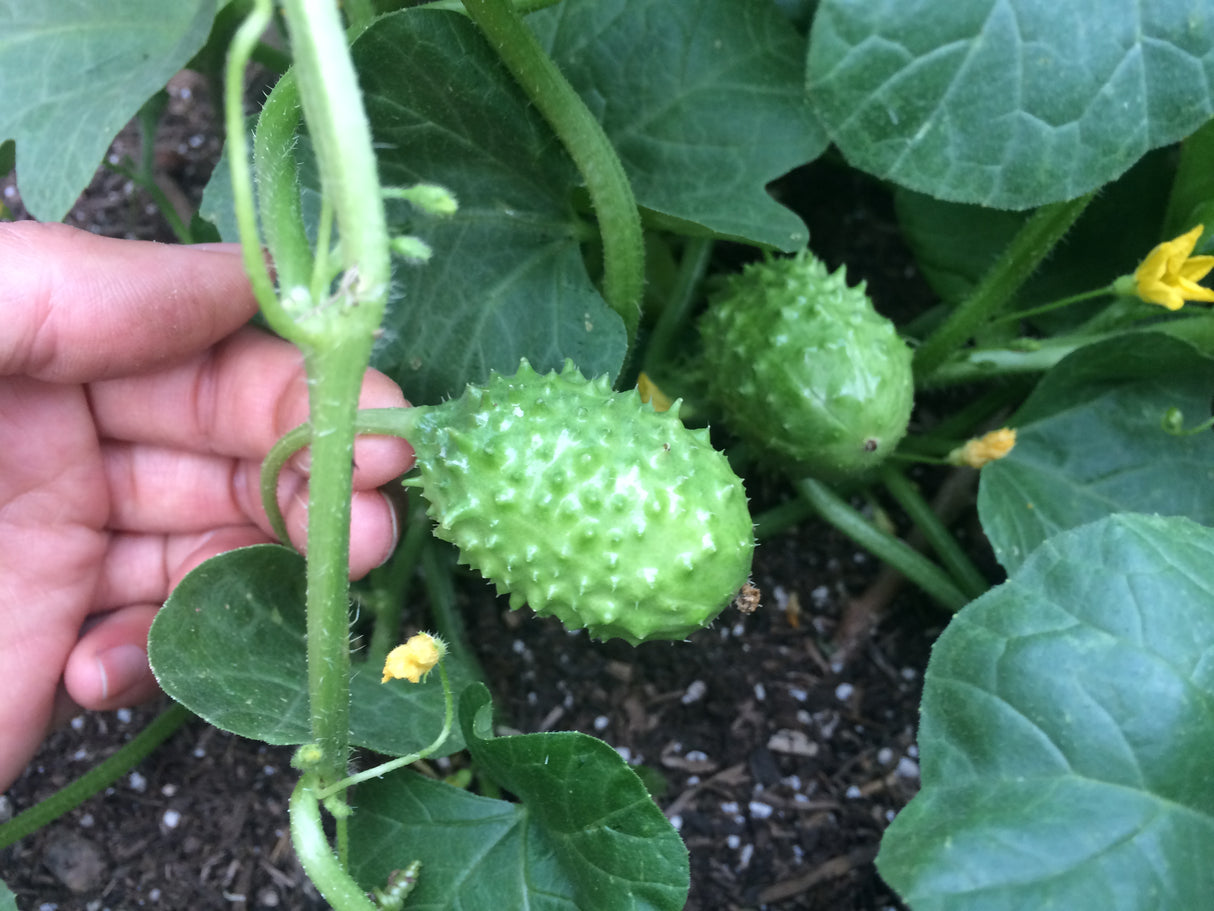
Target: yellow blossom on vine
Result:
[415, 659]
[1170, 273]
[651, 393]
[987, 448]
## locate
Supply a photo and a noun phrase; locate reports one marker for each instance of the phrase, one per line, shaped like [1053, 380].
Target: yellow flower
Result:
[1170, 273]
[415, 659]
[980, 450]
[651, 393]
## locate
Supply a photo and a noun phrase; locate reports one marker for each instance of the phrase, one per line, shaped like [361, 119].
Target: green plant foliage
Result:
[954, 243]
[8, 901]
[507, 279]
[1090, 443]
[74, 73]
[585, 833]
[229, 645]
[682, 90]
[1009, 103]
[1067, 724]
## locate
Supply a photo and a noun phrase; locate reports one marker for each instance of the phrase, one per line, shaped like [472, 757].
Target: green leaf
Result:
[8, 901]
[1009, 103]
[683, 90]
[585, 835]
[1090, 442]
[507, 279]
[229, 645]
[74, 72]
[1067, 725]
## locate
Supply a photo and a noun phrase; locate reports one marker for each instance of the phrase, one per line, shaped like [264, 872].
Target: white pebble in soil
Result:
[695, 692]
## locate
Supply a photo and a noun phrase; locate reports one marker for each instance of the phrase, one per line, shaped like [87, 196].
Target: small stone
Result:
[75, 861]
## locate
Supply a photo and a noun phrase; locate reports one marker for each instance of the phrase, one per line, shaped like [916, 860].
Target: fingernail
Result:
[395, 528]
[121, 668]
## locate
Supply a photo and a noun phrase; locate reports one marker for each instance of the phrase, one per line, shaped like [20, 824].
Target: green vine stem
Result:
[938, 537]
[323, 867]
[97, 778]
[885, 547]
[697, 253]
[588, 146]
[1026, 251]
[243, 43]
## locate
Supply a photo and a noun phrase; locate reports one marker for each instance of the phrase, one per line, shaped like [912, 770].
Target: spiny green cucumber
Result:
[801, 365]
[584, 503]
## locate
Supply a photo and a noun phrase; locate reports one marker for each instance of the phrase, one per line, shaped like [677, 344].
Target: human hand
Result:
[135, 409]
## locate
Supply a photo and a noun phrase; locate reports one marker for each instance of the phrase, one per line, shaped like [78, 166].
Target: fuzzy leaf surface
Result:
[585, 833]
[1089, 443]
[1067, 721]
[1009, 103]
[74, 72]
[229, 645]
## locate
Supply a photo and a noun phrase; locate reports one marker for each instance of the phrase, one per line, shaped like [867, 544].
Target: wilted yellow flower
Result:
[651, 393]
[1170, 273]
[415, 659]
[987, 448]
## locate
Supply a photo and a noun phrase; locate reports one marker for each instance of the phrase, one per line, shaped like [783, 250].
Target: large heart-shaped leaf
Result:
[230, 645]
[1090, 443]
[1009, 103]
[1067, 725]
[704, 102]
[74, 72]
[586, 834]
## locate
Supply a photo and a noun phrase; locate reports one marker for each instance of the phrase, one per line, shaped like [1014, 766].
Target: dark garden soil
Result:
[778, 756]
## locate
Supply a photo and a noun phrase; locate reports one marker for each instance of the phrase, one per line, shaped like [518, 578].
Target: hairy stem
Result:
[1026, 251]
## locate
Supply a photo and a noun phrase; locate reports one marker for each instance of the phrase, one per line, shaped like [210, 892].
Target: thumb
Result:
[79, 307]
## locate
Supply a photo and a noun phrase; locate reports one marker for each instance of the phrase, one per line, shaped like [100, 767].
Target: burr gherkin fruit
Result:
[802, 366]
[585, 503]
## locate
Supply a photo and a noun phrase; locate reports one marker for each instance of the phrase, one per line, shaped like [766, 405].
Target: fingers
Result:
[145, 567]
[235, 400]
[108, 667]
[78, 307]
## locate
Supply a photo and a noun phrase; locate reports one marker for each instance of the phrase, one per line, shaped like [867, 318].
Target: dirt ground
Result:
[782, 764]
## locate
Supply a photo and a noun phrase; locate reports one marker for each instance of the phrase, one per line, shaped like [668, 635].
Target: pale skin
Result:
[135, 409]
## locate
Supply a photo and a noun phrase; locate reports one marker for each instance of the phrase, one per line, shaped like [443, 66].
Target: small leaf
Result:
[1067, 725]
[1090, 442]
[8, 901]
[74, 73]
[585, 835]
[1009, 103]
[229, 645]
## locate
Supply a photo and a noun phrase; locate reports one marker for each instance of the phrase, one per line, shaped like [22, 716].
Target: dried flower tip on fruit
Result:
[987, 448]
[652, 394]
[1170, 273]
[415, 659]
